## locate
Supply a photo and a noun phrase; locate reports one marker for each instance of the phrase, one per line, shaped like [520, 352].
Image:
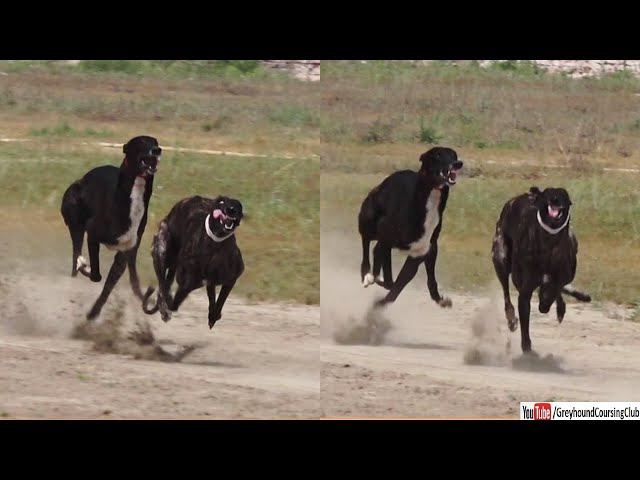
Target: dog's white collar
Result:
[552, 231]
[214, 237]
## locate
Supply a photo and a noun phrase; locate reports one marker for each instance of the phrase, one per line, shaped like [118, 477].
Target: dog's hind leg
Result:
[116, 271]
[501, 262]
[73, 215]
[77, 239]
[365, 266]
[432, 283]
[561, 308]
[159, 252]
[409, 270]
[382, 261]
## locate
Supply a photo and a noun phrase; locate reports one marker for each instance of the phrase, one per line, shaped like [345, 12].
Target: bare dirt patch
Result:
[463, 361]
[259, 361]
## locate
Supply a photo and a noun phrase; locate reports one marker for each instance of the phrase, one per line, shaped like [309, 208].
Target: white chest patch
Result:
[420, 247]
[128, 239]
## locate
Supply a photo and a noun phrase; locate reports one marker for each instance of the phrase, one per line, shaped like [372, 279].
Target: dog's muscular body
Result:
[535, 245]
[196, 245]
[405, 212]
[110, 204]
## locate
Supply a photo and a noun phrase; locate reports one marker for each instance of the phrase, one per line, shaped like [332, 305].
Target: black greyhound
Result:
[110, 204]
[195, 244]
[405, 212]
[535, 245]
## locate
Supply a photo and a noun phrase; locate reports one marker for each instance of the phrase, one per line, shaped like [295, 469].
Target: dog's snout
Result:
[150, 161]
[457, 165]
[156, 151]
[230, 210]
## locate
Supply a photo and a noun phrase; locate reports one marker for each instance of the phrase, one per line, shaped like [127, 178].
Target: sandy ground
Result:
[415, 359]
[259, 361]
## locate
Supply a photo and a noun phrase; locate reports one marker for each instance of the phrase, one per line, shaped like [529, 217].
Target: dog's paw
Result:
[512, 320]
[165, 315]
[93, 313]
[95, 277]
[560, 318]
[83, 267]
[513, 325]
[368, 280]
[82, 264]
[445, 302]
[386, 285]
[213, 319]
[381, 302]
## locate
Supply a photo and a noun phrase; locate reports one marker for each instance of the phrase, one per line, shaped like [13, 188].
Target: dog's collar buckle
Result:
[213, 236]
[548, 229]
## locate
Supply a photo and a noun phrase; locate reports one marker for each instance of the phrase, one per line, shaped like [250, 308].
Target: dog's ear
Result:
[431, 154]
[564, 191]
[535, 190]
[124, 148]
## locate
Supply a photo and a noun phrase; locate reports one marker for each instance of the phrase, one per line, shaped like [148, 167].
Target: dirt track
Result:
[259, 361]
[461, 362]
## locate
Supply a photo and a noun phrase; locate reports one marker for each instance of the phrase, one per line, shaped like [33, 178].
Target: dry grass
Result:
[266, 116]
[548, 117]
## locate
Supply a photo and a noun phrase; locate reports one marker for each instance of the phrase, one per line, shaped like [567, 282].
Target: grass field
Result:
[61, 113]
[513, 126]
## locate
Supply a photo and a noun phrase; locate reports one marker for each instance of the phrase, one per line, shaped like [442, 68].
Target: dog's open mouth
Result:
[150, 164]
[555, 212]
[452, 178]
[228, 223]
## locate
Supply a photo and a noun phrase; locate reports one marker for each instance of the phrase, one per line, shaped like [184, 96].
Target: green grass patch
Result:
[63, 129]
[168, 68]
[295, 115]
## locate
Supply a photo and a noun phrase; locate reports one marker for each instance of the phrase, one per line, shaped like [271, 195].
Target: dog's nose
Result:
[156, 151]
[230, 210]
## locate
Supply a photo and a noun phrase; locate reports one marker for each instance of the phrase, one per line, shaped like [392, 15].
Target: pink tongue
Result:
[217, 213]
[553, 212]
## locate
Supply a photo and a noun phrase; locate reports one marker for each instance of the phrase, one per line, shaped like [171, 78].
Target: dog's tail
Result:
[577, 294]
[145, 302]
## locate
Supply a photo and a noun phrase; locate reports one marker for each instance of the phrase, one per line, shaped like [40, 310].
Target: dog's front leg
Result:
[524, 309]
[409, 270]
[561, 308]
[116, 271]
[215, 307]
[94, 259]
[133, 271]
[432, 283]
